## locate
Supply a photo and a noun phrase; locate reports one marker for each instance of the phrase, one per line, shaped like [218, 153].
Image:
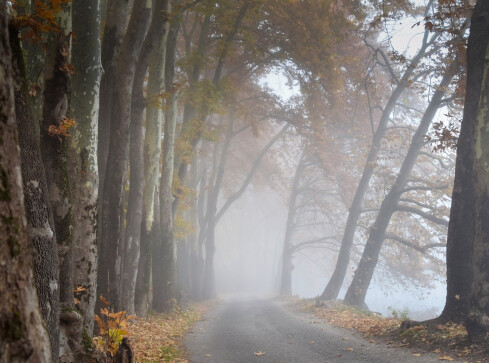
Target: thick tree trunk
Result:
[461, 227]
[135, 204]
[336, 281]
[40, 225]
[477, 322]
[287, 266]
[365, 270]
[164, 252]
[23, 337]
[115, 24]
[152, 153]
[54, 152]
[111, 221]
[148, 239]
[35, 75]
[83, 152]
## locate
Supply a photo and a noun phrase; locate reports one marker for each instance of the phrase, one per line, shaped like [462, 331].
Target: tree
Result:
[364, 272]
[131, 251]
[461, 229]
[334, 285]
[111, 208]
[22, 333]
[82, 154]
[40, 227]
[477, 320]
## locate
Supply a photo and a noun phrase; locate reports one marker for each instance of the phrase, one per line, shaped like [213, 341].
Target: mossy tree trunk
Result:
[83, 152]
[40, 225]
[23, 336]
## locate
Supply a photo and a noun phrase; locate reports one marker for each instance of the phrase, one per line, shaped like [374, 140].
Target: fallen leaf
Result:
[417, 354]
[259, 353]
[312, 342]
[445, 357]
[207, 355]
[349, 349]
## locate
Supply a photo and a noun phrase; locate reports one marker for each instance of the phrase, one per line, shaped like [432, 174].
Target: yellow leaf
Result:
[445, 357]
[79, 289]
[349, 349]
[417, 354]
[259, 353]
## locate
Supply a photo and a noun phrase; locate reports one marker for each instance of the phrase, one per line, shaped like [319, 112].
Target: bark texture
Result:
[117, 159]
[23, 337]
[40, 228]
[477, 322]
[115, 25]
[164, 251]
[135, 203]
[152, 153]
[461, 229]
[83, 152]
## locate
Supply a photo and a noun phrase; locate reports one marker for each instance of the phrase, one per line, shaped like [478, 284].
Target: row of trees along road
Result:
[129, 128]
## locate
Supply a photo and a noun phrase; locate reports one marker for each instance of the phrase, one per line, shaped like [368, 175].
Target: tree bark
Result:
[135, 203]
[477, 322]
[83, 152]
[40, 225]
[152, 153]
[115, 24]
[365, 270]
[54, 153]
[23, 338]
[111, 221]
[164, 252]
[336, 281]
[461, 228]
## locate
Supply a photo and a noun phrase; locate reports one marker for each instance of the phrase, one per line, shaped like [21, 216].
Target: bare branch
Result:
[427, 216]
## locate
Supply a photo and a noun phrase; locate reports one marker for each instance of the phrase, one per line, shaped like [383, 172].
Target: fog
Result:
[249, 244]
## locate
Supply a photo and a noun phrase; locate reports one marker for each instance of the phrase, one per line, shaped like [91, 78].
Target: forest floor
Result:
[158, 338]
[449, 341]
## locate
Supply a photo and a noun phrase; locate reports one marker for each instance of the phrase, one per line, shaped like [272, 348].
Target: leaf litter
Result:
[158, 338]
[449, 340]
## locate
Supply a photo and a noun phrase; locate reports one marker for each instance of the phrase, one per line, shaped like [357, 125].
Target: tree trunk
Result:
[152, 153]
[35, 75]
[146, 265]
[23, 337]
[111, 222]
[287, 266]
[40, 225]
[365, 270]
[115, 24]
[134, 215]
[462, 213]
[83, 152]
[477, 322]
[336, 281]
[54, 153]
[164, 253]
